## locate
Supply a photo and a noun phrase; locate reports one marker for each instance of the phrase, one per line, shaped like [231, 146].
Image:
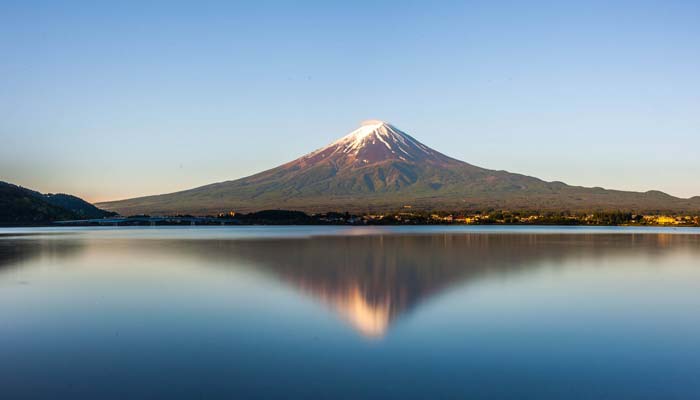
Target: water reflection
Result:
[208, 313]
[372, 280]
[18, 251]
[368, 280]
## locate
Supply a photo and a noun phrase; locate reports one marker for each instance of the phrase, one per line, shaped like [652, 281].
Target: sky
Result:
[111, 100]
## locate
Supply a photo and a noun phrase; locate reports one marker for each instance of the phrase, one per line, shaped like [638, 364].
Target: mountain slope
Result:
[78, 206]
[21, 206]
[378, 167]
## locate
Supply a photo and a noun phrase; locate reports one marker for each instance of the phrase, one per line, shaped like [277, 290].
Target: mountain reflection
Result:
[368, 280]
[16, 250]
[372, 280]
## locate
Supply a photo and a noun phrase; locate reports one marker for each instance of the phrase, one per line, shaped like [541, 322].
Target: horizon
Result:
[107, 103]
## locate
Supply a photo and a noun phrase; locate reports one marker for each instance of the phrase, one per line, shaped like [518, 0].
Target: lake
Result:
[350, 312]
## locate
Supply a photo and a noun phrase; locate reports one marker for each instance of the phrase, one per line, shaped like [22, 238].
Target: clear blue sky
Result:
[120, 99]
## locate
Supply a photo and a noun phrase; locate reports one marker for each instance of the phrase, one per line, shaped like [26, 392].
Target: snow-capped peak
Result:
[374, 141]
[356, 138]
[371, 131]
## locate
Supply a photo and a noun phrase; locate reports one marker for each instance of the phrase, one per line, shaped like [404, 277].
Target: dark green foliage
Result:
[80, 207]
[276, 217]
[613, 218]
[21, 206]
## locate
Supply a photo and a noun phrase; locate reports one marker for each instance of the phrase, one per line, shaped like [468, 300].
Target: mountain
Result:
[21, 206]
[378, 167]
[78, 206]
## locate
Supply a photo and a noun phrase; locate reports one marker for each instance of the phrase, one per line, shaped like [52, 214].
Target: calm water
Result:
[297, 312]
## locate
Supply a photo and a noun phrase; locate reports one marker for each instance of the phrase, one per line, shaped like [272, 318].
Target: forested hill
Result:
[22, 206]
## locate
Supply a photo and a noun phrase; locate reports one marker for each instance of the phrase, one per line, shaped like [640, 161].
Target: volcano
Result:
[378, 167]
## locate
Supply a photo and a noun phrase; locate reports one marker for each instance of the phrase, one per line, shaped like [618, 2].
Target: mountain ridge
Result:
[377, 167]
[22, 206]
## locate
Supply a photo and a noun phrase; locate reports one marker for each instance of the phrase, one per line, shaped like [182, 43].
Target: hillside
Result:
[21, 206]
[378, 167]
[78, 206]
